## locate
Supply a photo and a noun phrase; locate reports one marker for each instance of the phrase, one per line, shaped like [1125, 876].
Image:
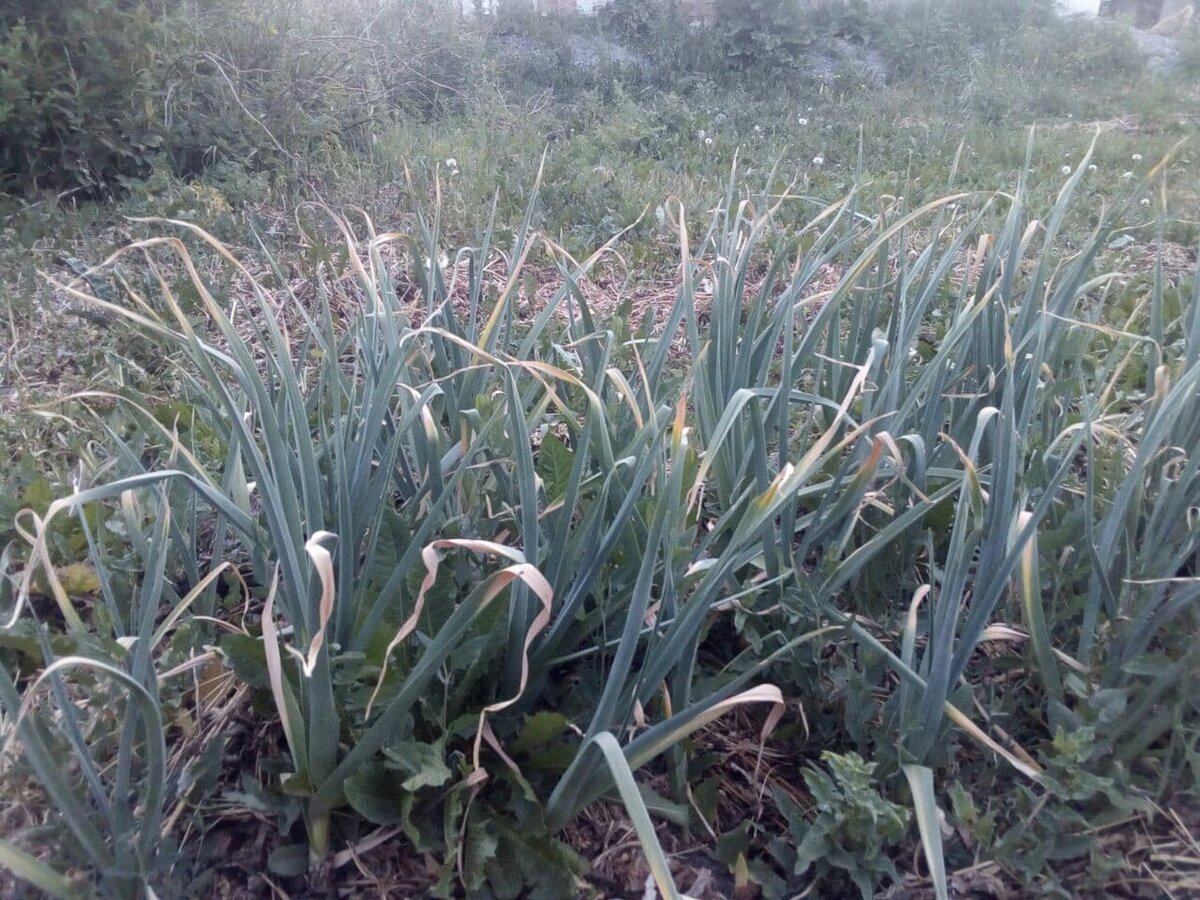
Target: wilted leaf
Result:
[38, 495]
[211, 680]
[78, 578]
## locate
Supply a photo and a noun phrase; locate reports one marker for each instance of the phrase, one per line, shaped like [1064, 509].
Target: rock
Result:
[1174, 24]
[1162, 53]
[841, 58]
[1142, 13]
[1150, 14]
[591, 52]
[580, 51]
[1154, 24]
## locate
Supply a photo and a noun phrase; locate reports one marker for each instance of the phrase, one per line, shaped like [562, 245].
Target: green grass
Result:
[679, 437]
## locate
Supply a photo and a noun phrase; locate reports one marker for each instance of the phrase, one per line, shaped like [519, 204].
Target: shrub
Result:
[76, 82]
[677, 50]
[761, 34]
[568, 54]
[1189, 52]
[279, 82]
[94, 92]
[1073, 50]
[923, 38]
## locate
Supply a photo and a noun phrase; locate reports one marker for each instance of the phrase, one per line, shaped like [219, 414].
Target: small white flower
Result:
[1145, 201]
[451, 162]
[1093, 167]
[1029, 356]
[818, 161]
[708, 142]
[453, 172]
[803, 121]
[1126, 174]
[1066, 170]
[700, 134]
[809, 109]
[758, 129]
[1137, 157]
[912, 353]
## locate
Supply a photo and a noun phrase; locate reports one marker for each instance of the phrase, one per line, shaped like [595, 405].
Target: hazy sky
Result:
[1077, 6]
[584, 6]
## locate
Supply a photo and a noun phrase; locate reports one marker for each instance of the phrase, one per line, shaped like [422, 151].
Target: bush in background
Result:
[94, 93]
[1189, 52]
[285, 79]
[922, 39]
[761, 34]
[678, 49]
[76, 81]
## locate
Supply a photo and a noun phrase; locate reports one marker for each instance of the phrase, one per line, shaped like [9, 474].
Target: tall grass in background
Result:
[101, 96]
[444, 506]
